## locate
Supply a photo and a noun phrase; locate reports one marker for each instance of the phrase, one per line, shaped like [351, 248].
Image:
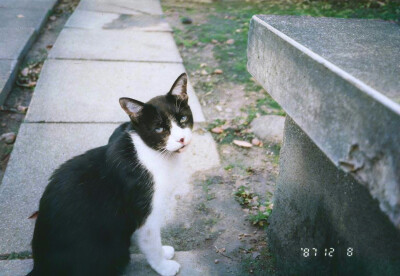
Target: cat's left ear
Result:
[179, 88]
[132, 107]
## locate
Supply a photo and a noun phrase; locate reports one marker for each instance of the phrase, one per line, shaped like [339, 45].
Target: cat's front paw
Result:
[167, 268]
[169, 252]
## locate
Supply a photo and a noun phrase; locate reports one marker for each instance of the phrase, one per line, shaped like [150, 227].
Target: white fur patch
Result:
[178, 133]
[167, 174]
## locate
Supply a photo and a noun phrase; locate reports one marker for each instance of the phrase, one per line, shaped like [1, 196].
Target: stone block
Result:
[122, 6]
[115, 45]
[319, 206]
[109, 21]
[88, 91]
[338, 80]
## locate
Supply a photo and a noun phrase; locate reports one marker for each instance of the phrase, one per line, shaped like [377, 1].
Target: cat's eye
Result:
[183, 119]
[159, 129]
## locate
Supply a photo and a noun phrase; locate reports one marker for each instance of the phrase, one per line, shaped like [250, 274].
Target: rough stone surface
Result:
[122, 6]
[192, 264]
[367, 49]
[12, 18]
[7, 76]
[28, 4]
[17, 42]
[75, 91]
[100, 20]
[318, 206]
[115, 45]
[353, 124]
[269, 128]
[41, 148]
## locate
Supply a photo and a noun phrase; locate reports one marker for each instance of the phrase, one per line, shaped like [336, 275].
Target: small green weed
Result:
[258, 212]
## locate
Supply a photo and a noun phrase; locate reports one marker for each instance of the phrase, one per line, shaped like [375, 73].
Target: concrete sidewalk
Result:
[20, 23]
[108, 49]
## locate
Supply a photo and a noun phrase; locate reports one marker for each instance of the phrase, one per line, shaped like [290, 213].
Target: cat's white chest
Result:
[166, 171]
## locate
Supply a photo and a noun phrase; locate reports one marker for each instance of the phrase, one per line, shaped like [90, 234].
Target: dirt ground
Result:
[232, 203]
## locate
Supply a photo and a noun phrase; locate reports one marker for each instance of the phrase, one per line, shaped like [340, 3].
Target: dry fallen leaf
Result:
[243, 144]
[230, 41]
[218, 71]
[217, 130]
[34, 215]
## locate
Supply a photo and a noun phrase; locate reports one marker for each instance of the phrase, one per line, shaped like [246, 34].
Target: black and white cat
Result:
[96, 201]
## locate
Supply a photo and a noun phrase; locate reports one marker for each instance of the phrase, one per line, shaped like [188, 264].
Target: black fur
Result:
[94, 202]
[88, 212]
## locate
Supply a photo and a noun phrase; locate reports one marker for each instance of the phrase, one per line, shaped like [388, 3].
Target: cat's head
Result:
[165, 122]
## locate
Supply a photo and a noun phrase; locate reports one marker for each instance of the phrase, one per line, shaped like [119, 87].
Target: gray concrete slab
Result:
[354, 124]
[28, 4]
[100, 20]
[122, 6]
[41, 148]
[193, 263]
[17, 42]
[23, 18]
[115, 45]
[7, 76]
[75, 91]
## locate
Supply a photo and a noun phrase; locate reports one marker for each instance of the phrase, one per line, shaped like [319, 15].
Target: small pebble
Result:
[218, 71]
[8, 138]
[25, 72]
[203, 72]
[230, 41]
[214, 41]
[256, 142]
[22, 108]
[52, 18]
[216, 261]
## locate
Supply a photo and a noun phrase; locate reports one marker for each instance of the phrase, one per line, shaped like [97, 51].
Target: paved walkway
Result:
[108, 49]
[20, 23]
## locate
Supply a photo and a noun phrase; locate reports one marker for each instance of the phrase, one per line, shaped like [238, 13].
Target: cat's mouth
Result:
[181, 149]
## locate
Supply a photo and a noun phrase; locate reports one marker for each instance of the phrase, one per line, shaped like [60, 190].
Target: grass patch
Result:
[258, 212]
[264, 264]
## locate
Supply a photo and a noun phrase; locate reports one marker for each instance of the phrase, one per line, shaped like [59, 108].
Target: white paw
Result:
[169, 252]
[167, 268]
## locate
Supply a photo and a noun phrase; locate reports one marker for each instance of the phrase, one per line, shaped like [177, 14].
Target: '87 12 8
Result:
[326, 252]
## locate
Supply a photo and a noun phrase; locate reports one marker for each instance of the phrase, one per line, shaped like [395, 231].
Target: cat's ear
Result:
[131, 107]
[179, 88]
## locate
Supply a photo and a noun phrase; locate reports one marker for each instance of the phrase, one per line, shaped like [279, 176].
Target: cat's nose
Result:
[182, 140]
